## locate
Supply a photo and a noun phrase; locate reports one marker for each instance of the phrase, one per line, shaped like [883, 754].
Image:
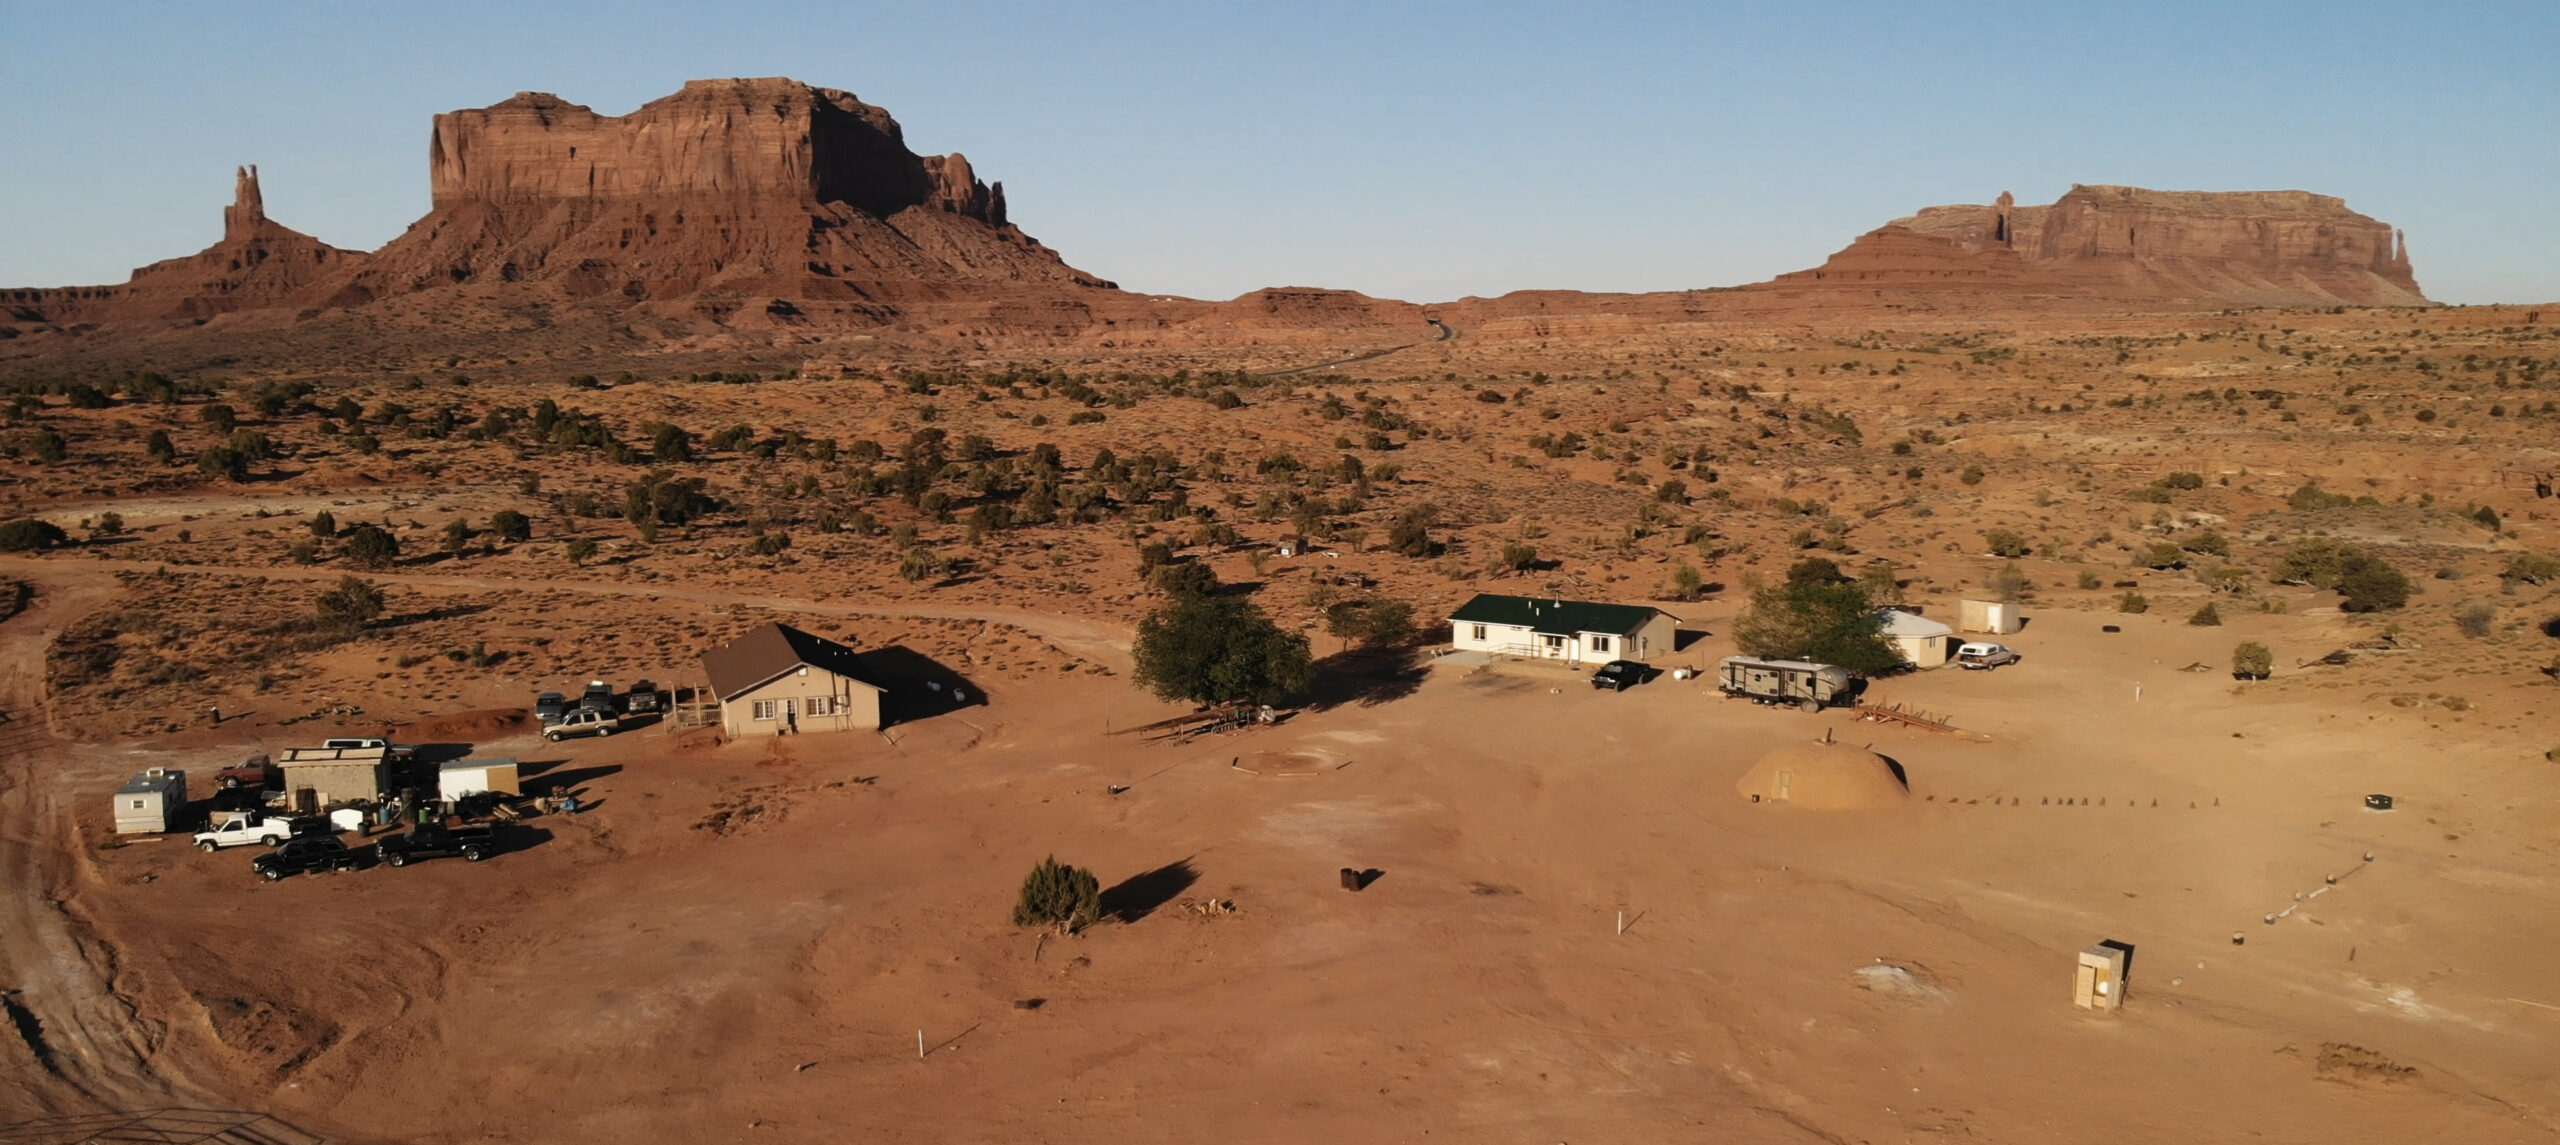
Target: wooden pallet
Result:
[1877, 711]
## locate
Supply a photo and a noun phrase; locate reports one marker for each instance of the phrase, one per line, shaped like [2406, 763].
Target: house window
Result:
[137, 805]
[763, 709]
[1553, 642]
[1599, 643]
[819, 706]
[1479, 633]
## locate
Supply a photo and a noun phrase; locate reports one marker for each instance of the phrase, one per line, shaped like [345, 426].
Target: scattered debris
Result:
[1898, 982]
[1878, 712]
[2343, 1062]
[1208, 908]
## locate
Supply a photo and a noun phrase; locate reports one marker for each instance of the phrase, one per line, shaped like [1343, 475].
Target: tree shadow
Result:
[1139, 895]
[448, 612]
[563, 780]
[1366, 676]
[919, 686]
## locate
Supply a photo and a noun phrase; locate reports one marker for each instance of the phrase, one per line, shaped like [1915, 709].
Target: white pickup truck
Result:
[246, 827]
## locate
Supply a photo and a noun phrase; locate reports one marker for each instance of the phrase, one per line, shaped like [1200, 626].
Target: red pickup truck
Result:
[258, 772]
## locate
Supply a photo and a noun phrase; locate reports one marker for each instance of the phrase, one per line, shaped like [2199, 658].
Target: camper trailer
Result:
[1803, 683]
[151, 803]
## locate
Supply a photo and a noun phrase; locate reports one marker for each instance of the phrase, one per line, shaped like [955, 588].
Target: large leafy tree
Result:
[1825, 623]
[1220, 650]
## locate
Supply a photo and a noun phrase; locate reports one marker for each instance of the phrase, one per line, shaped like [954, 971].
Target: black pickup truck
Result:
[429, 840]
[306, 854]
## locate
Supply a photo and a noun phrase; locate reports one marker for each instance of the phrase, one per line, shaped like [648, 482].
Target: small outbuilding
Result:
[1921, 642]
[1574, 631]
[778, 679]
[1998, 617]
[461, 777]
[1825, 777]
[316, 777]
[152, 803]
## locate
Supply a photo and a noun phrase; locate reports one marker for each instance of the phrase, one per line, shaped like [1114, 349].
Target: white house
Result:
[1574, 631]
[1922, 642]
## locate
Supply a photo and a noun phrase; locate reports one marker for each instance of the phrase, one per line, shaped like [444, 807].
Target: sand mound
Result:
[1824, 777]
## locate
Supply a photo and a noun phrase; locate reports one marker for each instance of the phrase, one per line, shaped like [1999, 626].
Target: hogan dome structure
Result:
[1825, 777]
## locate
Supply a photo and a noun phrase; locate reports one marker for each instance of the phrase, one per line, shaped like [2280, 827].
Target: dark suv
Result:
[1620, 675]
[430, 839]
[308, 853]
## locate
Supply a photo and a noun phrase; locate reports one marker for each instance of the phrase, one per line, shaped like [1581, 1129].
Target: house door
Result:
[791, 714]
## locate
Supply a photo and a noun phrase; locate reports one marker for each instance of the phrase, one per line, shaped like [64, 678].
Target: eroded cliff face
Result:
[755, 186]
[258, 264]
[2260, 248]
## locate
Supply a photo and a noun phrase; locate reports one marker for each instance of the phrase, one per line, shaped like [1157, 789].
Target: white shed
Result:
[152, 802]
[460, 777]
[1922, 642]
[1997, 617]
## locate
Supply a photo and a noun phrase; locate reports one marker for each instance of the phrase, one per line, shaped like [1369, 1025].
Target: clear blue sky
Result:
[1411, 150]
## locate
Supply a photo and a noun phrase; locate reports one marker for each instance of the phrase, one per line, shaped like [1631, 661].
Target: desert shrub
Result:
[1373, 623]
[1881, 580]
[324, 524]
[671, 443]
[2475, 618]
[1686, 583]
[28, 535]
[225, 462]
[1228, 399]
[510, 527]
[370, 547]
[1673, 492]
[352, 604]
[1055, 894]
[1188, 578]
[2182, 479]
[2486, 517]
[667, 499]
[1972, 475]
[160, 448]
[2007, 543]
[2208, 542]
[1411, 534]
[49, 447]
[2010, 582]
[2161, 555]
[2310, 497]
[221, 417]
[580, 551]
[2089, 579]
[768, 544]
[923, 564]
[2206, 617]
[2532, 568]
[1815, 570]
[1831, 623]
[1517, 557]
[2365, 581]
[2133, 602]
[1217, 650]
[2252, 661]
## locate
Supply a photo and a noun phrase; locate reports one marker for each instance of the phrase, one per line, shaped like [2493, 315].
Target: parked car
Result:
[1977, 654]
[583, 722]
[598, 697]
[257, 773]
[308, 853]
[243, 828]
[1620, 675]
[427, 840]
[549, 707]
[643, 698]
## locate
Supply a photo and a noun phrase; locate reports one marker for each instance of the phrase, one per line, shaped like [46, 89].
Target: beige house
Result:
[777, 679]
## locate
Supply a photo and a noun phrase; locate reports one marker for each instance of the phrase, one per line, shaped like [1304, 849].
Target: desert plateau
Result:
[940, 556]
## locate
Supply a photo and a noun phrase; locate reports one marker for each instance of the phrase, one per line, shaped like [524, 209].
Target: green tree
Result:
[370, 547]
[2009, 582]
[221, 417]
[1686, 582]
[1219, 650]
[581, 551]
[663, 498]
[352, 604]
[1055, 894]
[28, 535]
[2206, 617]
[1517, 557]
[1815, 570]
[456, 536]
[224, 461]
[324, 524]
[1187, 578]
[2007, 543]
[49, 447]
[511, 527]
[1831, 623]
[1410, 536]
[1881, 580]
[160, 448]
[672, 443]
[2252, 661]
[1373, 623]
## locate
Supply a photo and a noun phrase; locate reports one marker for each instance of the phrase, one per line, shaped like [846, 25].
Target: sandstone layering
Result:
[771, 206]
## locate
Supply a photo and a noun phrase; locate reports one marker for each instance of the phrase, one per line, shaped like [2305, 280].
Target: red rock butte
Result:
[770, 203]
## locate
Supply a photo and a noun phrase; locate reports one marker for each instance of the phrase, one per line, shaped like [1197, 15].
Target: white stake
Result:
[1622, 922]
[919, 1045]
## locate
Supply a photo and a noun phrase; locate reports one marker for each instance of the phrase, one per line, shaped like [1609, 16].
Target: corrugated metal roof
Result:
[1552, 616]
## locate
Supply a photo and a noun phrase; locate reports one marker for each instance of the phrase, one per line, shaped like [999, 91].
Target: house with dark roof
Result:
[1574, 631]
[777, 679]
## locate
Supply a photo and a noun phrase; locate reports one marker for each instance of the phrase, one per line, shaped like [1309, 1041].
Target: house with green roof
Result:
[1573, 631]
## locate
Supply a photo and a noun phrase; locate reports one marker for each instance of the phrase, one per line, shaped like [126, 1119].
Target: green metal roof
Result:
[1550, 616]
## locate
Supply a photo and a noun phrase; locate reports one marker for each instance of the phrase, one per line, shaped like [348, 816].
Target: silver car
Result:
[1977, 654]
